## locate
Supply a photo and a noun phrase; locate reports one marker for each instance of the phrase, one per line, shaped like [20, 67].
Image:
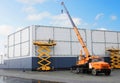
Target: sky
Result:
[88, 14]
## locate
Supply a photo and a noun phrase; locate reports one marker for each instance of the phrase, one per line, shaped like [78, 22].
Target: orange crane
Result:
[87, 63]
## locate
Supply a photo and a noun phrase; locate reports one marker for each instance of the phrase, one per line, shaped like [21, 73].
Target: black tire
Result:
[107, 73]
[77, 70]
[71, 70]
[94, 72]
[81, 70]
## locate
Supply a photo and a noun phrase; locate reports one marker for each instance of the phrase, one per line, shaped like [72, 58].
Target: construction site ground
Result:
[62, 76]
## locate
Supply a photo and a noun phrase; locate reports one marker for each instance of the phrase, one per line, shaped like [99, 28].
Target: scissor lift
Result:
[44, 54]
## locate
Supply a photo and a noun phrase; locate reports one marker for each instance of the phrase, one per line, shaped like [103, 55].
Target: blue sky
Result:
[89, 14]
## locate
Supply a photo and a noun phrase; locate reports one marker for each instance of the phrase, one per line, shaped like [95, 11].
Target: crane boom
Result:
[77, 32]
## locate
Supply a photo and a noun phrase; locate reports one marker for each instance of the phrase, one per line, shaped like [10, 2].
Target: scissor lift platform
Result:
[44, 54]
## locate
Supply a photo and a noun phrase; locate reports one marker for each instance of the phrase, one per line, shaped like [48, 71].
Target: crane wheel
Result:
[107, 73]
[77, 70]
[94, 72]
[71, 69]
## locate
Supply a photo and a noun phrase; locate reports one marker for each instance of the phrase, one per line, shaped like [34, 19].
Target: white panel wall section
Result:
[119, 37]
[17, 50]
[11, 40]
[99, 49]
[111, 45]
[62, 49]
[98, 36]
[89, 41]
[25, 35]
[19, 43]
[76, 47]
[82, 33]
[10, 50]
[17, 38]
[119, 45]
[25, 49]
[44, 33]
[111, 37]
[62, 34]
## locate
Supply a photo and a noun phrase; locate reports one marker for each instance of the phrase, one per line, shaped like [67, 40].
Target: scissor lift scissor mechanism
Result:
[44, 54]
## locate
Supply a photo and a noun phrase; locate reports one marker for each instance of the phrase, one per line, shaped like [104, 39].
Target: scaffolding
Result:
[115, 57]
[44, 54]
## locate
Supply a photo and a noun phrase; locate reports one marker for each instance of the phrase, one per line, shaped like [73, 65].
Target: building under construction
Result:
[59, 44]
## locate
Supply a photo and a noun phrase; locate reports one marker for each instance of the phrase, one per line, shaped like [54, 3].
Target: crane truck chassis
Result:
[87, 63]
[94, 66]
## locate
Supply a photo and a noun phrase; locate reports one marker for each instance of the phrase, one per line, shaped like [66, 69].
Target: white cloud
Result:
[40, 16]
[101, 28]
[31, 2]
[113, 17]
[55, 20]
[29, 9]
[62, 20]
[94, 24]
[6, 30]
[98, 16]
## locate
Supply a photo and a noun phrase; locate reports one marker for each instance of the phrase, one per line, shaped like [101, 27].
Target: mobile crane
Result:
[87, 63]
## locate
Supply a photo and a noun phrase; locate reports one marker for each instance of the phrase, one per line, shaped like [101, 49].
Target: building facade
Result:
[22, 54]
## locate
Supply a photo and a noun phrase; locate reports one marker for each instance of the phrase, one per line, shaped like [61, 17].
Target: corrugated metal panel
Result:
[62, 34]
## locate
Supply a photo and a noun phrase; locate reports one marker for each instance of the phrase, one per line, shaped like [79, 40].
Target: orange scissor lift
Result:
[44, 54]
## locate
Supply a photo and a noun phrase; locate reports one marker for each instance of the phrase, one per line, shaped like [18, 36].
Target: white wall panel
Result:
[17, 37]
[119, 46]
[99, 49]
[17, 50]
[74, 36]
[44, 33]
[11, 40]
[62, 34]
[10, 51]
[111, 37]
[25, 49]
[62, 48]
[111, 45]
[25, 35]
[76, 47]
[98, 36]
[118, 37]
[89, 40]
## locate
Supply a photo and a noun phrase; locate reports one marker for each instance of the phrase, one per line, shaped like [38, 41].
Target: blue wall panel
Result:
[56, 62]
[30, 63]
[21, 63]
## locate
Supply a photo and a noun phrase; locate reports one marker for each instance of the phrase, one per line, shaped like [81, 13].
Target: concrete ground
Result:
[64, 76]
